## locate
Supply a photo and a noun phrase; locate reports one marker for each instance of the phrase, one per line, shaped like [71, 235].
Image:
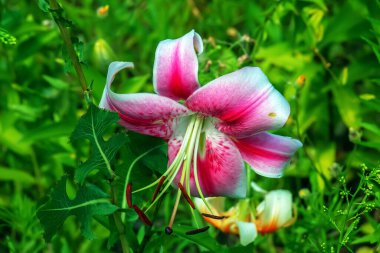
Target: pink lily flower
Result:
[217, 126]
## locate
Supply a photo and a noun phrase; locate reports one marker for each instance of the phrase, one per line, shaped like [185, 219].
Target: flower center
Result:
[186, 160]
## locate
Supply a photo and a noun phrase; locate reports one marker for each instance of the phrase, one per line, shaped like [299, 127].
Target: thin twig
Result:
[69, 45]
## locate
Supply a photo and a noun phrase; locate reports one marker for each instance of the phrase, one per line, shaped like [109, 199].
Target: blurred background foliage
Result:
[322, 55]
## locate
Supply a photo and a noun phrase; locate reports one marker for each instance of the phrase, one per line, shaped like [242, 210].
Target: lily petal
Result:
[220, 166]
[175, 72]
[275, 211]
[267, 153]
[226, 225]
[145, 113]
[247, 232]
[244, 101]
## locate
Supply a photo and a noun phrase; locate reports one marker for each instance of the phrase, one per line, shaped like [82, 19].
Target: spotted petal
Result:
[244, 101]
[220, 166]
[267, 153]
[145, 113]
[175, 73]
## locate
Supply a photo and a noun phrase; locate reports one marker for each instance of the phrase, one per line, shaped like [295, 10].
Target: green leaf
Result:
[89, 201]
[56, 83]
[43, 5]
[16, 175]
[6, 38]
[146, 155]
[48, 131]
[371, 127]
[92, 126]
[202, 239]
[375, 47]
[348, 105]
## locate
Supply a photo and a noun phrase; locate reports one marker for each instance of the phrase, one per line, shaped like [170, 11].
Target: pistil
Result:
[172, 217]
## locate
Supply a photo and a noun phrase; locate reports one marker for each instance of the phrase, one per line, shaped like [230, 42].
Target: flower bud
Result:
[102, 11]
[103, 53]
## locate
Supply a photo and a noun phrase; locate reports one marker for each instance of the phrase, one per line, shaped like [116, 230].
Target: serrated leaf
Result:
[89, 201]
[92, 126]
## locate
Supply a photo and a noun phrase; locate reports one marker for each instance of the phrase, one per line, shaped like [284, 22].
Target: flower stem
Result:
[69, 45]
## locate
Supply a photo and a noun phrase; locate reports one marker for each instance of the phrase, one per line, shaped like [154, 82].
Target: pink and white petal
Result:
[220, 166]
[267, 153]
[175, 72]
[145, 113]
[244, 101]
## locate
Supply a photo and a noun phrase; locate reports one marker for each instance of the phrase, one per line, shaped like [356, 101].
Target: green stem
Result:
[119, 224]
[69, 45]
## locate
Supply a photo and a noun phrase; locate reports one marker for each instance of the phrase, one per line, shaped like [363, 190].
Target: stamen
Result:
[142, 216]
[197, 231]
[168, 230]
[128, 195]
[162, 179]
[195, 170]
[187, 197]
[213, 216]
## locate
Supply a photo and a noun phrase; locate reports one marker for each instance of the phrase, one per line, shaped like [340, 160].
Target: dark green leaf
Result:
[89, 201]
[92, 126]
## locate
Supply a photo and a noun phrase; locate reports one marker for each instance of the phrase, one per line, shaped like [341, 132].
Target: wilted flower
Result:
[214, 129]
[273, 213]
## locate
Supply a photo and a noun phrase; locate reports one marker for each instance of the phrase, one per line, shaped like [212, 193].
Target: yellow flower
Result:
[102, 11]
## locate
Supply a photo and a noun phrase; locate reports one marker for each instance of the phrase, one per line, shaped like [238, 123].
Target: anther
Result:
[197, 231]
[162, 179]
[168, 230]
[142, 216]
[128, 194]
[185, 195]
[213, 216]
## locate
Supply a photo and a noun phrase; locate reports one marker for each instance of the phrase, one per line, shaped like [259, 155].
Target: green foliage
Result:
[89, 201]
[6, 38]
[92, 126]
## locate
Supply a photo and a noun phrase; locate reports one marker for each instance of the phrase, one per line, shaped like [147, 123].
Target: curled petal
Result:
[275, 211]
[244, 101]
[267, 153]
[220, 166]
[175, 73]
[145, 113]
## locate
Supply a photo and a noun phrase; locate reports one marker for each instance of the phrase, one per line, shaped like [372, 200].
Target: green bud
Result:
[103, 53]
